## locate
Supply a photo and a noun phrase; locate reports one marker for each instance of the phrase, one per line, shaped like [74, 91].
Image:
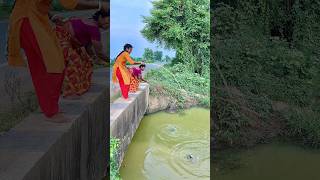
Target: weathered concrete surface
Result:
[115, 92]
[125, 117]
[158, 103]
[39, 150]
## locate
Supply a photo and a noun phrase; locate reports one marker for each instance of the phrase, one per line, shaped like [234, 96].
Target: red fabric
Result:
[47, 85]
[124, 88]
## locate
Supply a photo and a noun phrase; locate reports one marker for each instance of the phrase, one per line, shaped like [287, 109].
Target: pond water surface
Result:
[170, 147]
[277, 161]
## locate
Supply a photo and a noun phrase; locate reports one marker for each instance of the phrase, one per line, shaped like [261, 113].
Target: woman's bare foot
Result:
[59, 118]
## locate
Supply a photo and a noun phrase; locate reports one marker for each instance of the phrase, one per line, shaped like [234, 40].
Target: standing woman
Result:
[80, 40]
[120, 72]
[29, 29]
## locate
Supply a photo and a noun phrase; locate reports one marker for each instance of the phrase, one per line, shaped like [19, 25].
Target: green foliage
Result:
[167, 59]
[180, 83]
[5, 9]
[303, 125]
[127, 63]
[114, 167]
[157, 56]
[148, 55]
[182, 25]
[26, 104]
[268, 51]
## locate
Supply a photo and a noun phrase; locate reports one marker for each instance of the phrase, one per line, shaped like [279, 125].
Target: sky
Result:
[126, 24]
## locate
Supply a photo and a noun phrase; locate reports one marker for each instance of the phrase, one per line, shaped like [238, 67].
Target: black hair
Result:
[119, 54]
[127, 46]
[142, 65]
[101, 13]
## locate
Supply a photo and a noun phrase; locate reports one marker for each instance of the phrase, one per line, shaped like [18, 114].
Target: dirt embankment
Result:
[159, 100]
[256, 129]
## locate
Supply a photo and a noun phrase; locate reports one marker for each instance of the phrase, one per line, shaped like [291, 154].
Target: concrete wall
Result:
[39, 150]
[125, 117]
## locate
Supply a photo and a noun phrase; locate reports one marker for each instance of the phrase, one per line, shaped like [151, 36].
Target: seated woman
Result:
[77, 36]
[136, 78]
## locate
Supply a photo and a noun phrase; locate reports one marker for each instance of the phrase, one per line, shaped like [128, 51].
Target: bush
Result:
[303, 125]
[179, 83]
[114, 167]
[265, 67]
[5, 10]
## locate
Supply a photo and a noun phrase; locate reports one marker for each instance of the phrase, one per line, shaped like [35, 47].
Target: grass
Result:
[179, 84]
[303, 125]
[5, 11]
[18, 111]
[114, 167]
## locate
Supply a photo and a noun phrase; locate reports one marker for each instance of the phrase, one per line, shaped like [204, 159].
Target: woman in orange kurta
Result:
[120, 72]
[29, 28]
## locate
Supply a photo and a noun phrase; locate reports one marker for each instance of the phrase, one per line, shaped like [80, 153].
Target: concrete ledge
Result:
[115, 92]
[39, 150]
[125, 117]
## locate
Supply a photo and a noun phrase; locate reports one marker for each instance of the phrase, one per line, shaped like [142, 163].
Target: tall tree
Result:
[157, 56]
[167, 59]
[148, 55]
[183, 25]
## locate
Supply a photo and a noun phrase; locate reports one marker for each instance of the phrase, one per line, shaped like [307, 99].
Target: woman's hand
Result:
[57, 20]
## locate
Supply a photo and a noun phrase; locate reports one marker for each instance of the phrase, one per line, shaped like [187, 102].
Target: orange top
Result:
[121, 64]
[37, 12]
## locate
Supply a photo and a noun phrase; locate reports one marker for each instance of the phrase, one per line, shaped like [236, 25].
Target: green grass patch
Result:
[18, 111]
[114, 166]
[179, 83]
[5, 11]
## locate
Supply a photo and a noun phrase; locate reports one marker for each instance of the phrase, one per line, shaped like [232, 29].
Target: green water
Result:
[170, 147]
[274, 162]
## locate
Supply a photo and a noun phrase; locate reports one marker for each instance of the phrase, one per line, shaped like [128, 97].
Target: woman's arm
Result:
[141, 79]
[58, 20]
[130, 60]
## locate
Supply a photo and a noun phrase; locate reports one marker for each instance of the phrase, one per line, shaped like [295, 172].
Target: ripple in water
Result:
[170, 147]
[191, 157]
[169, 133]
[187, 155]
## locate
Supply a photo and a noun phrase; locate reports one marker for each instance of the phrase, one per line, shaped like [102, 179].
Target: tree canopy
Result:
[148, 55]
[182, 25]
